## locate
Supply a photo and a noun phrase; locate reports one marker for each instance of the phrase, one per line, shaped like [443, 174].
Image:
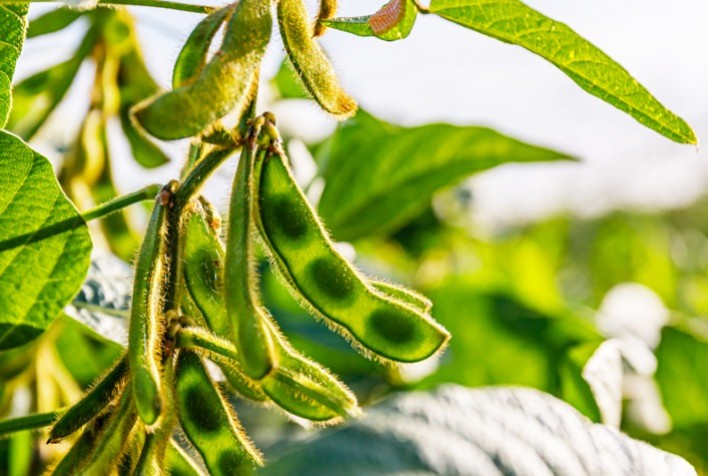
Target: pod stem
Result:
[191, 337]
[111, 206]
[183, 7]
[29, 422]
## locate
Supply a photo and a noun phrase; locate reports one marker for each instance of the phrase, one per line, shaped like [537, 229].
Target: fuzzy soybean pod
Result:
[223, 86]
[203, 271]
[91, 404]
[327, 284]
[298, 385]
[306, 389]
[81, 449]
[114, 439]
[309, 60]
[179, 463]
[408, 296]
[209, 423]
[246, 315]
[328, 9]
[146, 314]
[193, 56]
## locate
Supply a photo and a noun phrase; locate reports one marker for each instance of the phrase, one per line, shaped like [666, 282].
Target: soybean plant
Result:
[196, 295]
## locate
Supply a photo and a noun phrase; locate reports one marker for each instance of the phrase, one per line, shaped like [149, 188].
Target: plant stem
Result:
[183, 7]
[198, 175]
[106, 208]
[191, 337]
[29, 422]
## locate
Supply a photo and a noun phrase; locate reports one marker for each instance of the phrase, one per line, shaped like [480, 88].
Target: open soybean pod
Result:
[114, 439]
[224, 84]
[309, 60]
[193, 56]
[247, 317]
[327, 284]
[209, 423]
[306, 389]
[146, 319]
[408, 296]
[91, 404]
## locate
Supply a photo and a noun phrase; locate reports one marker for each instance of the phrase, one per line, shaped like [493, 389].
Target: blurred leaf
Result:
[53, 21]
[13, 24]
[44, 244]
[513, 22]
[135, 83]
[84, 355]
[379, 177]
[499, 340]
[362, 25]
[286, 83]
[454, 430]
[682, 376]
[35, 97]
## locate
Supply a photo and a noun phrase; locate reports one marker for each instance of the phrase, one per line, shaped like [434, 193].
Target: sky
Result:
[444, 72]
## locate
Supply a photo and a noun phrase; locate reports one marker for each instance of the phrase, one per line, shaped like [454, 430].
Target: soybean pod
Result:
[114, 440]
[209, 423]
[306, 389]
[179, 463]
[91, 404]
[246, 315]
[203, 275]
[82, 448]
[310, 62]
[408, 296]
[146, 320]
[328, 9]
[193, 56]
[223, 86]
[326, 284]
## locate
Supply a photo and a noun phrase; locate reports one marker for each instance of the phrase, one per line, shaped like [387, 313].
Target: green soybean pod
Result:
[193, 56]
[309, 60]
[328, 9]
[407, 295]
[224, 85]
[179, 463]
[91, 404]
[150, 462]
[222, 352]
[306, 389]
[80, 451]
[327, 284]
[203, 271]
[114, 439]
[146, 319]
[209, 423]
[247, 316]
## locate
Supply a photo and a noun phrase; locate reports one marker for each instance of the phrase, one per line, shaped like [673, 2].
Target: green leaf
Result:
[53, 21]
[513, 22]
[286, 83]
[44, 244]
[380, 176]
[455, 430]
[135, 84]
[13, 24]
[682, 376]
[362, 25]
